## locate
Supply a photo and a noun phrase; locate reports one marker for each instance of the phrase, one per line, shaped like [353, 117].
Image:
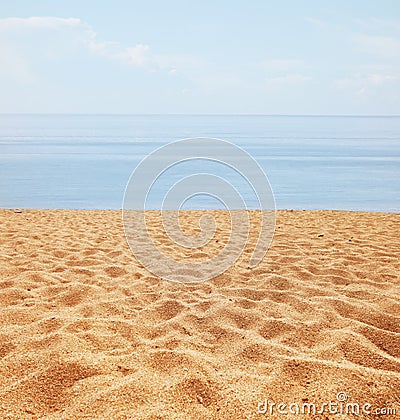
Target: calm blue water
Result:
[84, 162]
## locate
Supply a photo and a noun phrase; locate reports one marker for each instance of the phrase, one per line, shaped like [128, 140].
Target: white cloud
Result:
[381, 46]
[137, 55]
[79, 34]
[283, 73]
[380, 79]
[378, 24]
[39, 22]
[361, 91]
[363, 84]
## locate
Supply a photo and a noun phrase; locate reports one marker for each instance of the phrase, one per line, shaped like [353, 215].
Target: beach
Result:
[87, 332]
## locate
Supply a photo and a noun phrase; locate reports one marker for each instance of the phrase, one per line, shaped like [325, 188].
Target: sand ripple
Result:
[86, 332]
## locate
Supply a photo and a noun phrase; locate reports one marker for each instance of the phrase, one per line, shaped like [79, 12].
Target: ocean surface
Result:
[85, 161]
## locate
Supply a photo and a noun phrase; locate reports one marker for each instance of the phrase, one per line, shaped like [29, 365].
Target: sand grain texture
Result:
[86, 332]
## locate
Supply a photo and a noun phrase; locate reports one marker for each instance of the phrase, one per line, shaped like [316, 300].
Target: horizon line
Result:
[199, 114]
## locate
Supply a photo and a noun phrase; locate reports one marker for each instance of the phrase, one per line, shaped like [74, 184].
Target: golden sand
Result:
[86, 332]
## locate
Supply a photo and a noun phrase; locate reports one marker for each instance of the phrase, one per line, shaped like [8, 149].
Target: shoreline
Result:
[197, 210]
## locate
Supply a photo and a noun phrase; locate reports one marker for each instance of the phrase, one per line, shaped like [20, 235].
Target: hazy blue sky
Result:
[275, 57]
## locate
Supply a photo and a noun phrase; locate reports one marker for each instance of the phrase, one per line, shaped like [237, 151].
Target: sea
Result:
[312, 162]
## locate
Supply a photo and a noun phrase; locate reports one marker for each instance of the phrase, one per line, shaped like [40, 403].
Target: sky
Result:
[210, 57]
